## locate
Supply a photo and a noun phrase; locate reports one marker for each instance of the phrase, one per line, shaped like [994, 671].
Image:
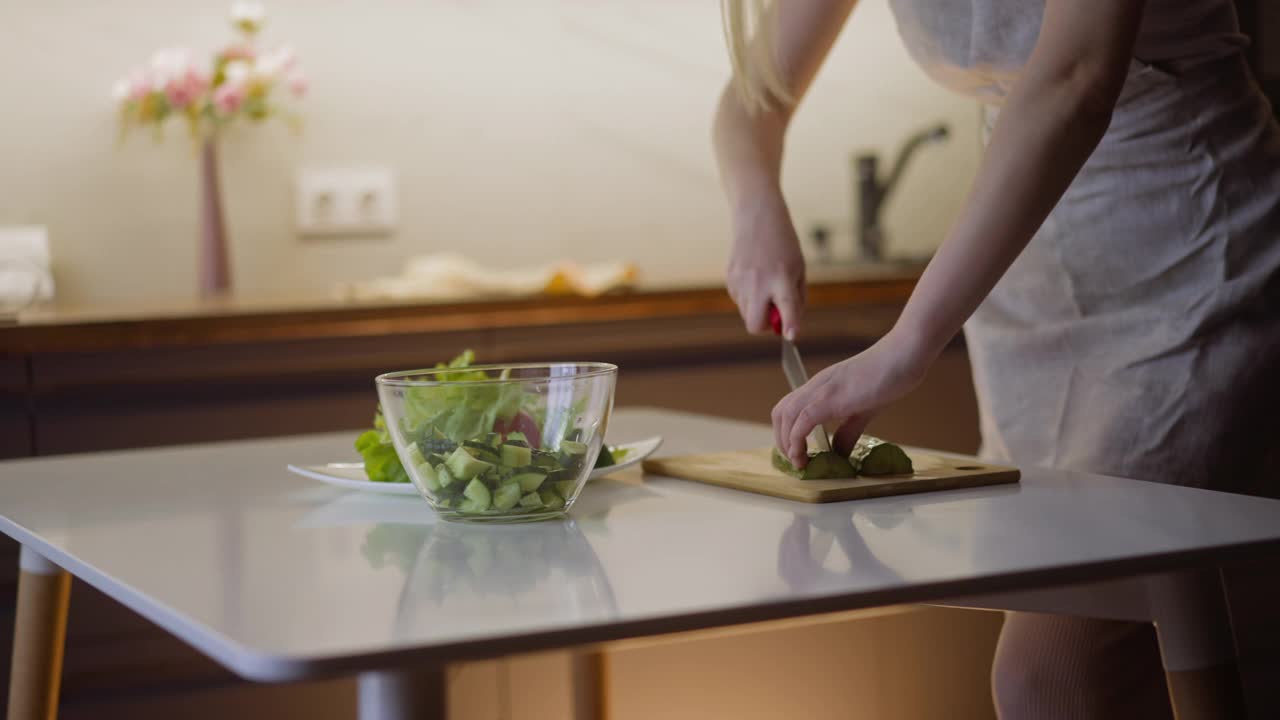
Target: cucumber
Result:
[551, 500]
[507, 496]
[874, 456]
[471, 507]
[565, 488]
[529, 481]
[464, 467]
[478, 493]
[546, 461]
[440, 445]
[532, 500]
[428, 478]
[573, 448]
[481, 451]
[822, 466]
[415, 456]
[514, 456]
[443, 476]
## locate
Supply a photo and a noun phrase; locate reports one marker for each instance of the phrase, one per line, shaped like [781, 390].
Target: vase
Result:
[215, 269]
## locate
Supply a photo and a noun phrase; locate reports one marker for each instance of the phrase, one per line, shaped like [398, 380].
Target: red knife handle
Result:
[775, 319]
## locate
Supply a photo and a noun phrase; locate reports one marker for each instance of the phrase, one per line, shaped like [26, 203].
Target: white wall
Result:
[520, 130]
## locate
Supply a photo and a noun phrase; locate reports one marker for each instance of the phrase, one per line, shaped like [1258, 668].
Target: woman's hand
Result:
[766, 265]
[848, 395]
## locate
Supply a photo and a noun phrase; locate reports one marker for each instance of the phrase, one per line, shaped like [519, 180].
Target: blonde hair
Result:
[750, 27]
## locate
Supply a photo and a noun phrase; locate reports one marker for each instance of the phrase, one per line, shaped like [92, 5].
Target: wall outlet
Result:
[346, 201]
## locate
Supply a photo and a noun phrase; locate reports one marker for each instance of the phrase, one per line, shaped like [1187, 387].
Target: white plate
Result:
[350, 475]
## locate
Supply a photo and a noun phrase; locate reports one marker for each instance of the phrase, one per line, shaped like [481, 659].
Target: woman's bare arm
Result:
[766, 264]
[1056, 114]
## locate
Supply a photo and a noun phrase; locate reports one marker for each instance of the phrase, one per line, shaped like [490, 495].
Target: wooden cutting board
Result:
[751, 470]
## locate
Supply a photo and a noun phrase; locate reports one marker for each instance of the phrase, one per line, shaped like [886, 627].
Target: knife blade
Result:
[793, 369]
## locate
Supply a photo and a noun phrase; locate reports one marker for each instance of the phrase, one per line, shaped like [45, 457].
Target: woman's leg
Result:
[1051, 667]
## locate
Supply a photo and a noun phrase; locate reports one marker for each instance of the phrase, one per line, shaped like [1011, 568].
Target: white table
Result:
[280, 578]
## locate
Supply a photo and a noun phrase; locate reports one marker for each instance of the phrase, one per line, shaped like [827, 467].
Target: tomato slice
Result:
[521, 423]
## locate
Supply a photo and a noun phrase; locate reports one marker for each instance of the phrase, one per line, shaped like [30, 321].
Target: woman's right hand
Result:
[766, 265]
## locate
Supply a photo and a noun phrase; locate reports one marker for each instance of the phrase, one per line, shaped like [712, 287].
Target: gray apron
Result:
[1138, 334]
[1140, 321]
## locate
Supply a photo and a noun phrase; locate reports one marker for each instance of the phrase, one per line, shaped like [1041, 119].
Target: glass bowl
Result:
[499, 443]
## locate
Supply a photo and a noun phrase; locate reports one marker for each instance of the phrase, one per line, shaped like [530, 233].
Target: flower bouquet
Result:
[241, 82]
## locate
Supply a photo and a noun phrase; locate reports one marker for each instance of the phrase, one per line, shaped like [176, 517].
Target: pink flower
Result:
[239, 52]
[133, 88]
[186, 89]
[297, 82]
[229, 97]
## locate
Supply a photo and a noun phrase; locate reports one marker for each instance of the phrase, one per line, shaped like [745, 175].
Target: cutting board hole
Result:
[969, 467]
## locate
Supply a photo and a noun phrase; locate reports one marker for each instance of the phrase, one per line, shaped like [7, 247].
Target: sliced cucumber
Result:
[529, 481]
[465, 467]
[874, 456]
[507, 496]
[573, 448]
[471, 507]
[428, 477]
[481, 451]
[514, 456]
[551, 500]
[444, 476]
[415, 455]
[565, 488]
[532, 500]
[478, 493]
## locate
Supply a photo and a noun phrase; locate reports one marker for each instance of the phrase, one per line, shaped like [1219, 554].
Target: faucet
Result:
[871, 193]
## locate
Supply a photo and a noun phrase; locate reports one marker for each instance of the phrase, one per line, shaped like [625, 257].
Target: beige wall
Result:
[519, 129]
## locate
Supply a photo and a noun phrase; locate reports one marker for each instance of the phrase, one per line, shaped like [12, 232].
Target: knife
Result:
[793, 368]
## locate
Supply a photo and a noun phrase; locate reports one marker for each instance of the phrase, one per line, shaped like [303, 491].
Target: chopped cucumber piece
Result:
[415, 455]
[529, 481]
[507, 496]
[874, 456]
[443, 475]
[566, 488]
[471, 507]
[822, 466]
[428, 477]
[514, 456]
[532, 500]
[551, 500]
[518, 437]
[479, 494]
[464, 467]
[573, 447]
[481, 451]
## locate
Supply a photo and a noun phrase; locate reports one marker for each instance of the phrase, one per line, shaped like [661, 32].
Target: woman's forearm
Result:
[748, 148]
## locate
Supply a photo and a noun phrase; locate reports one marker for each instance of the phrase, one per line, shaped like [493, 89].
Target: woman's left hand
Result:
[848, 394]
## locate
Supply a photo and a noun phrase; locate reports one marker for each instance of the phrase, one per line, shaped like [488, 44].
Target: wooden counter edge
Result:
[358, 321]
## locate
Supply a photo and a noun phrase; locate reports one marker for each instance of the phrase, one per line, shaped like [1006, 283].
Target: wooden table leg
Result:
[417, 694]
[44, 590]
[588, 676]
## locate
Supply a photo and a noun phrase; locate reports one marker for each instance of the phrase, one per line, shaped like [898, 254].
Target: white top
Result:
[279, 577]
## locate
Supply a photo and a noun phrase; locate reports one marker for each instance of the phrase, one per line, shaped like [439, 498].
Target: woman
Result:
[1114, 270]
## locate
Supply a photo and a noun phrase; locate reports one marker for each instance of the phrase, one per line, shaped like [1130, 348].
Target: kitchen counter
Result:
[217, 321]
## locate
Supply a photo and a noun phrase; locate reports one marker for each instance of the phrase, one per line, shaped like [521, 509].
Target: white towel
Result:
[25, 273]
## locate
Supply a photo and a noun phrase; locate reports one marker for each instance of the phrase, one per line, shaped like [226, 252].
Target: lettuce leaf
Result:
[459, 412]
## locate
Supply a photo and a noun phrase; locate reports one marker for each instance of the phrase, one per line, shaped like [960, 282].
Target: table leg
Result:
[417, 693]
[588, 675]
[44, 590]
